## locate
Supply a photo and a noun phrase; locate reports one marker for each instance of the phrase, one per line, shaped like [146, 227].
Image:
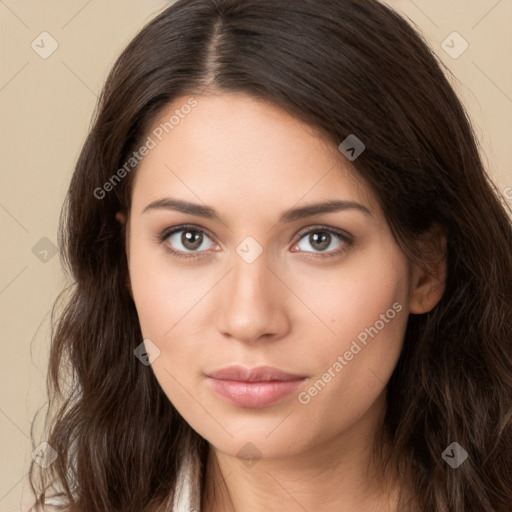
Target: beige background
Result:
[46, 106]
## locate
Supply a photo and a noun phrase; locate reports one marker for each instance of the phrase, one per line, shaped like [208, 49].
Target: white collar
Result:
[187, 497]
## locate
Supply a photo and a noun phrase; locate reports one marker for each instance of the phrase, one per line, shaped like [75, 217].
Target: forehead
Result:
[233, 148]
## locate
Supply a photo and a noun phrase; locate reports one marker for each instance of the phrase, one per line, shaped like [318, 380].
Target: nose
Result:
[252, 302]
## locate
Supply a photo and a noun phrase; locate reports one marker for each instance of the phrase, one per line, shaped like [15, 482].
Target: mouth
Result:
[253, 387]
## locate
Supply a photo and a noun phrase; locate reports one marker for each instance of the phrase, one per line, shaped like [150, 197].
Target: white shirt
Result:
[188, 488]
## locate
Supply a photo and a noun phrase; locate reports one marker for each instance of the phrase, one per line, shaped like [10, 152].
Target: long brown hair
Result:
[344, 67]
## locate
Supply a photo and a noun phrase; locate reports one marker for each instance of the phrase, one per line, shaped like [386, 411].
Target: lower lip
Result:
[254, 394]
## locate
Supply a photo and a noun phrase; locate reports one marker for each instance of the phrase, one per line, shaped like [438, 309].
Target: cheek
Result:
[170, 303]
[164, 293]
[366, 311]
[353, 296]
[353, 376]
[166, 303]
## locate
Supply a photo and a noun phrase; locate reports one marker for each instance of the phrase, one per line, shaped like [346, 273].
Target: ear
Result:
[428, 281]
[121, 218]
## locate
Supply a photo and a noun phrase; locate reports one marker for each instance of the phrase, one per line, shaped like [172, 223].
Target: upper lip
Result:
[257, 374]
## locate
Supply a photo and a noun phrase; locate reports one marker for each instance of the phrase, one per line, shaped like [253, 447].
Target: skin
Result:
[250, 161]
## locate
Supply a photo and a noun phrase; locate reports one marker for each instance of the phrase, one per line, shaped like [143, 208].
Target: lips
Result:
[258, 374]
[253, 387]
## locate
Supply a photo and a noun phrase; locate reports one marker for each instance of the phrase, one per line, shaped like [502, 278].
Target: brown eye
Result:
[325, 242]
[191, 239]
[187, 240]
[320, 242]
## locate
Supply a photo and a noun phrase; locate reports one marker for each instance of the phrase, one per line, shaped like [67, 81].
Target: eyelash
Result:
[344, 237]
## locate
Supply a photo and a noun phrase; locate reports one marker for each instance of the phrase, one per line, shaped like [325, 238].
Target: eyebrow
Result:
[290, 215]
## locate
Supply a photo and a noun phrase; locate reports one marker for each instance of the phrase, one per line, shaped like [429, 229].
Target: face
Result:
[261, 281]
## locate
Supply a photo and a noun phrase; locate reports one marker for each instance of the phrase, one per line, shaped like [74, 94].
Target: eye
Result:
[186, 239]
[323, 241]
[191, 242]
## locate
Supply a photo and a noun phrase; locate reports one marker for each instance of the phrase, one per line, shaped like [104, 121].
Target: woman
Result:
[293, 277]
